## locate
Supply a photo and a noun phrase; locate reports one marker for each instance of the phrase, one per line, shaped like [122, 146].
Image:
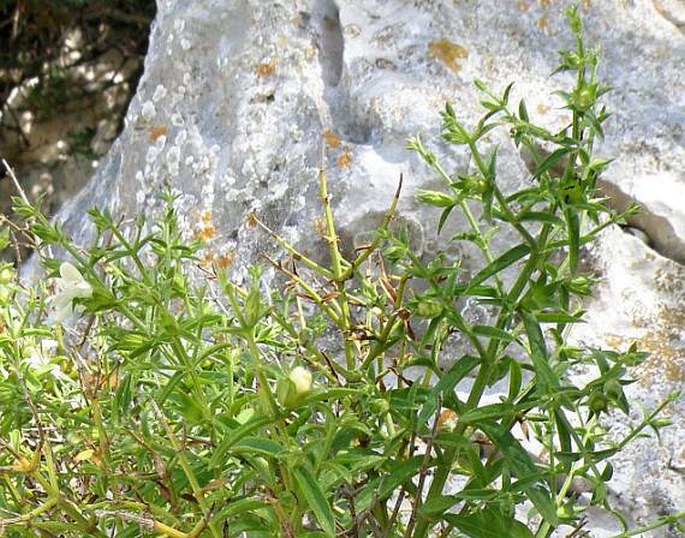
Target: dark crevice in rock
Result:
[671, 12]
[655, 231]
[326, 19]
[346, 121]
[658, 231]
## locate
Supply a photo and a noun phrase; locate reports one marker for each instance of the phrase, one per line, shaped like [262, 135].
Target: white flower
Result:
[302, 378]
[39, 358]
[71, 286]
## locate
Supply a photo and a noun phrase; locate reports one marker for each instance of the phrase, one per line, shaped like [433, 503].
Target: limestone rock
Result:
[642, 300]
[239, 97]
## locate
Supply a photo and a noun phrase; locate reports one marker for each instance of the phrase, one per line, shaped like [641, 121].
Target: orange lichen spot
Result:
[545, 3]
[331, 138]
[94, 382]
[155, 132]
[447, 419]
[320, 226]
[224, 260]
[448, 53]
[113, 380]
[206, 229]
[543, 24]
[252, 220]
[587, 4]
[208, 258]
[206, 233]
[265, 69]
[344, 160]
[522, 5]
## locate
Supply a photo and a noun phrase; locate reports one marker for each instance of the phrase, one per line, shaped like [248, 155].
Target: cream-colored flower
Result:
[39, 357]
[71, 286]
[302, 378]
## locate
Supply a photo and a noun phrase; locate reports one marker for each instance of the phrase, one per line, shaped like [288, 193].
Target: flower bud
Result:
[292, 389]
[598, 403]
[435, 198]
[302, 379]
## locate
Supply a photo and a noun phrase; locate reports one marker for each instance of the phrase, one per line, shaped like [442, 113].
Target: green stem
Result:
[504, 206]
[442, 472]
[662, 521]
[337, 270]
[188, 471]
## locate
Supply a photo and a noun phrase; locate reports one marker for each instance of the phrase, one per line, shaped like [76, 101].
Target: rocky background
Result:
[240, 97]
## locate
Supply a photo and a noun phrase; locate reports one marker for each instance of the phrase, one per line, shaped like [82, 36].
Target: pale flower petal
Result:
[71, 286]
[70, 273]
[302, 378]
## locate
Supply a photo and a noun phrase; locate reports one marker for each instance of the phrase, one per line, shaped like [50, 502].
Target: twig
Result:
[403, 492]
[19, 188]
[423, 471]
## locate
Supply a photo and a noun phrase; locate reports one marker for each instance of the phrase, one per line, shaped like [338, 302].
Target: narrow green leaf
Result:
[236, 435]
[400, 474]
[239, 506]
[4, 238]
[521, 464]
[439, 505]
[258, 445]
[539, 216]
[435, 198]
[479, 494]
[487, 412]
[551, 161]
[358, 460]
[315, 499]
[492, 164]
[558, 317]
[324, 393]
[22, 209]
[478, 83]
[538, 352]
[596, 125]
[46, 232]
[488, 523]
[523, 113]
[443, 217]
[573, 231]
[492, 332]
[507, 92]
[515, 379]
[484, 129]
[489, 292]
[122, 398]
[510, 257]
[565, 430]
[448, 381]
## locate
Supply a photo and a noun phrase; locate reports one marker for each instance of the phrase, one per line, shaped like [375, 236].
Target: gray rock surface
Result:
[239, 97]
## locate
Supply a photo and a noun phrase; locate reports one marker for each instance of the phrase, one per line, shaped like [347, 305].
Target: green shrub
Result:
[179, 403]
